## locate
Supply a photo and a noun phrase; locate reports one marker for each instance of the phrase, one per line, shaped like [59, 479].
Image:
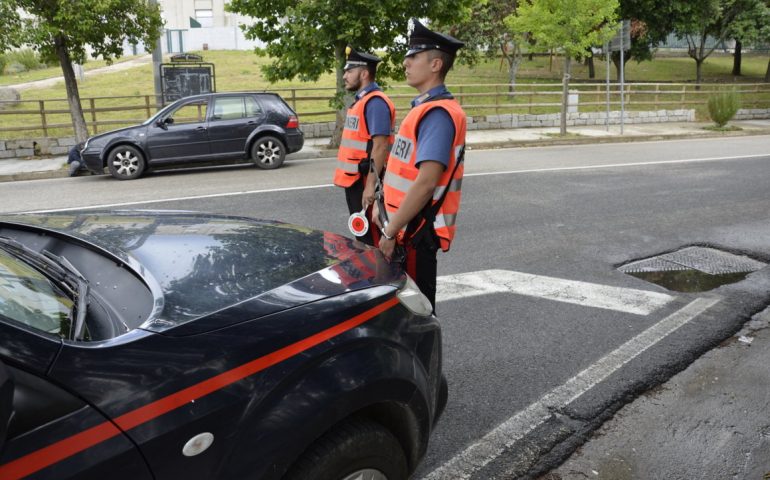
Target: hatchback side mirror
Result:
[6, 402]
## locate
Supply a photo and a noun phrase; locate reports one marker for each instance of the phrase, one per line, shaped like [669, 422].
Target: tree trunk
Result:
[73, 96]
[698, 72]
[737, 57]
[339, 57]
[615, 56]
[591, 69]
[514, 61]
[565, 95]
[767, 72]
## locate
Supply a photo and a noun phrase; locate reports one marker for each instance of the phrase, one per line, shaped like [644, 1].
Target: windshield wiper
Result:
[63, 273]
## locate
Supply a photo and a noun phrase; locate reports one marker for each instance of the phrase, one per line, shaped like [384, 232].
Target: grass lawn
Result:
[240, 70]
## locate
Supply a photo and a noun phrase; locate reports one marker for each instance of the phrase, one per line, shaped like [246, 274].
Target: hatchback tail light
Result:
[293, 122]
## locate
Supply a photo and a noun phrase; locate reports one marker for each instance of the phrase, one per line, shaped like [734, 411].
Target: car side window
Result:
[229, 108]
[194, 112]
[253, 108]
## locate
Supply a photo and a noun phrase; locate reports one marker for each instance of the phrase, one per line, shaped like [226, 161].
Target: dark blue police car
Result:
[167, 345]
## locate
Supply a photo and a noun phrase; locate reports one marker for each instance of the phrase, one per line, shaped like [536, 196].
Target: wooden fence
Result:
[52, 117]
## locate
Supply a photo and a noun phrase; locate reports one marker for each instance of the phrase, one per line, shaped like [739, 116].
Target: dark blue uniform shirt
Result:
[436, 131]
[376, 112]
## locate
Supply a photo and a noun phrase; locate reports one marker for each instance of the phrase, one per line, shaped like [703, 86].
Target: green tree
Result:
[698, 20]
[651, 22]
[572, 26]
[485, 33]
[65, 29]
[747, 28]
[308, 38]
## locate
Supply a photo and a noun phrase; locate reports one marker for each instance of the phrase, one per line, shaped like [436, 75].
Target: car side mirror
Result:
[6, 402]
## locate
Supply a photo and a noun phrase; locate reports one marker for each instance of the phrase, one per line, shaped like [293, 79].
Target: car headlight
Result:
[412, 298]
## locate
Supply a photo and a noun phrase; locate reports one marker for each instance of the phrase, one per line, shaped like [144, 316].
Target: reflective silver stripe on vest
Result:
[352, 122]
[355, 144]
[454, 186]
[347, 166]
[402, 148]
[444, 220]
[399, 183]
[458, 149]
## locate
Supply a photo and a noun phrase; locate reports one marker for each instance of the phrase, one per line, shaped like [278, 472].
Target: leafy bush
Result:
[26, 57]
[3, 62]
[723, 107]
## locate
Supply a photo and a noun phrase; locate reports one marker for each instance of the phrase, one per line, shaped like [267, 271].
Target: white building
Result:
[202, 25]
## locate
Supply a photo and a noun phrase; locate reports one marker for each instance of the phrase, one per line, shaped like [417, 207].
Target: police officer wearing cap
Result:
[425, 167]
[366, 138]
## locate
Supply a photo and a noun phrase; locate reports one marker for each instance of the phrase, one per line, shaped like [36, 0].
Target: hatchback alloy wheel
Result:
[126, 162]
[268, 153]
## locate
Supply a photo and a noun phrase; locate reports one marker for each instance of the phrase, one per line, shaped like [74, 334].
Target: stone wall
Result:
[752, 113]
[36, 147]
[491, 122]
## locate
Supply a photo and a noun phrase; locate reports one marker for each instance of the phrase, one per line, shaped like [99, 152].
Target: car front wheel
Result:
[358, 449]
[268, 152]
[125, 162]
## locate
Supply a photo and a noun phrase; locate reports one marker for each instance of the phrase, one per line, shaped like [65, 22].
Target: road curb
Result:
[480, 145]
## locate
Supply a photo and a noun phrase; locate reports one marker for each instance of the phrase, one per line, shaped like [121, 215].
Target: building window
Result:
[205, 17]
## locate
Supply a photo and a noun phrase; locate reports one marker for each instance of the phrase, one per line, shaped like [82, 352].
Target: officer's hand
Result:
[387, 247]
[376, 215]
[368, 197]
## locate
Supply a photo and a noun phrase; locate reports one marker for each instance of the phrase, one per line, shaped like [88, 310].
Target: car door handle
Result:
[201, 129]
[251, 122]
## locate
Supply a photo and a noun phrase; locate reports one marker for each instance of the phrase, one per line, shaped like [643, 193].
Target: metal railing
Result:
[52, 117]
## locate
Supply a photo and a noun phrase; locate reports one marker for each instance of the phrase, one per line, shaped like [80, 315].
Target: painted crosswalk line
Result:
[485, 282]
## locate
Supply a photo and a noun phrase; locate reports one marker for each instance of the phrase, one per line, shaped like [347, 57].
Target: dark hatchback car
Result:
[167, 345]
[213, 128]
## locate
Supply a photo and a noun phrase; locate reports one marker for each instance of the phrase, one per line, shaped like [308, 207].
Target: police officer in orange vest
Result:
[366, 138]
[421, 188]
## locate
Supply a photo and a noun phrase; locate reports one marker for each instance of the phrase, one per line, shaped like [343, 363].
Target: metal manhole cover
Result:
[693, 269]
[703, 259]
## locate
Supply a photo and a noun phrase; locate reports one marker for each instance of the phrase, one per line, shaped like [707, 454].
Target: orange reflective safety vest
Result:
[401, 172]
[356, 145]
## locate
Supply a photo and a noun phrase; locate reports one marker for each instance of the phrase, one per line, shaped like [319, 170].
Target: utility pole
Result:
[157, 59]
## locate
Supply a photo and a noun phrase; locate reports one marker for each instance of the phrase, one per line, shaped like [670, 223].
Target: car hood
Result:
[120, 132]
[200, 264]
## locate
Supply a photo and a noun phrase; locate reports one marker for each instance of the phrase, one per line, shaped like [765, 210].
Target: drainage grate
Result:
[706, 260]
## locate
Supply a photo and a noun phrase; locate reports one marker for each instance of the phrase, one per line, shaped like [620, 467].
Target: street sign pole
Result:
[622, 80]
[608, 59]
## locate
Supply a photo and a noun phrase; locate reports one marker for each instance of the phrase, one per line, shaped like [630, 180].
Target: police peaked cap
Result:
[359, 59]
[421, 39]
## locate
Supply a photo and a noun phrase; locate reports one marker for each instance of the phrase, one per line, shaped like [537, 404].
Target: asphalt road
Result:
[530, 374]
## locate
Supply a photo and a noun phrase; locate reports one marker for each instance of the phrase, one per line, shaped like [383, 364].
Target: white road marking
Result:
[628, 300]
[617, 165]
[494, 443]
[327, 185]
[178, 199]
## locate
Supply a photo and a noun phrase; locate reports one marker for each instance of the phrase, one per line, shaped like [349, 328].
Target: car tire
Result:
[356, 449]
[268, 152]
[126, 162]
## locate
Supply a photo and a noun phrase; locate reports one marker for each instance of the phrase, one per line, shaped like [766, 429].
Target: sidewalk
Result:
[38, 168]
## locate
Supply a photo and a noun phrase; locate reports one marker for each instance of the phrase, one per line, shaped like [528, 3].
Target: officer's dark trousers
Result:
[353, 196]
[420, 263]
